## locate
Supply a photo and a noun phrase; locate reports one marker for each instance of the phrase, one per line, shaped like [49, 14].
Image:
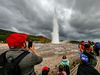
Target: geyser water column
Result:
[55, 33]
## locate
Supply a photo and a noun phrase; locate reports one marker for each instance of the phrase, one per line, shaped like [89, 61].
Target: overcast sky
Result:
[77, 19]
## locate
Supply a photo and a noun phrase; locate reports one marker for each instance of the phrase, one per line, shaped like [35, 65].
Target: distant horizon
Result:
[66, 40]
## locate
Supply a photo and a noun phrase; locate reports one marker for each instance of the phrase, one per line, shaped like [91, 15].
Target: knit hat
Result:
[45, 68]
[16, 40]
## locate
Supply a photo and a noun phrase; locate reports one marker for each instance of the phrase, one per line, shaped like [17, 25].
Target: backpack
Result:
[11, 67]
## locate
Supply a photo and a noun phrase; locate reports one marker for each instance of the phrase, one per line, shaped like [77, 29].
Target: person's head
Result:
[45, 70]
[61, 68]
[87, 48]
[82, 42]
[92, 43]
[17, 40]
[89, 42]
[64, 57]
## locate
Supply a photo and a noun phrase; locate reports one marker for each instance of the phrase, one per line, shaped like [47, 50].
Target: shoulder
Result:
[13, 53]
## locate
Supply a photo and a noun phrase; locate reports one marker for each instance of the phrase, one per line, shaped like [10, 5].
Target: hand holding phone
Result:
[30, 44]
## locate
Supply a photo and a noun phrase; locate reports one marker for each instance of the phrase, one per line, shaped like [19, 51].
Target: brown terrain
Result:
[53, 53]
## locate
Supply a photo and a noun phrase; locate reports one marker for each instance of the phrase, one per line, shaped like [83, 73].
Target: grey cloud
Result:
[36, 17]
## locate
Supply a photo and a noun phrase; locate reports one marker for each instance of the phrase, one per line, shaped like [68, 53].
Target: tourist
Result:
[97, 48]
[45, 70]
[81, 46]
[61, 70]
[66, 64]
[91, 56]
[17, 45]
[91, 45]
[85, 68]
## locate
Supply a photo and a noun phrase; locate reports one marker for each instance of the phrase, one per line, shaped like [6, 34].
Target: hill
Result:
[4, 34]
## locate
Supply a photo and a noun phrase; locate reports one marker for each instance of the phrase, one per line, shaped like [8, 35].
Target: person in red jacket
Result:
[81, 46]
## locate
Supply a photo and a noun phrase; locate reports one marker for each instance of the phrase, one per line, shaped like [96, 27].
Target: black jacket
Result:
[86, 69]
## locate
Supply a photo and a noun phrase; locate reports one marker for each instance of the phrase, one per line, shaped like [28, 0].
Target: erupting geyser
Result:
[55, 33]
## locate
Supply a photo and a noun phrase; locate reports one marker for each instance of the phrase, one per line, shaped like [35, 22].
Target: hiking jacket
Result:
[27, 63]
[87, 69]
[64, 62]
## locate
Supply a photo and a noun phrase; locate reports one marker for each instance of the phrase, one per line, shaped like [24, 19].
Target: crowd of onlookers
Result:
[94, 47]
[89, 51]
[24, 57]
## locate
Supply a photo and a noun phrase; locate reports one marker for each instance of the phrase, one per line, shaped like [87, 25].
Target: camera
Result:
[30, 44]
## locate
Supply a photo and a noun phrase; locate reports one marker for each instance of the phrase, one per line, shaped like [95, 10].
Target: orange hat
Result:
[45, 68]
[16, 40]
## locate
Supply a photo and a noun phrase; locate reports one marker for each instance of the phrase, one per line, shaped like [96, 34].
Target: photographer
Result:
[17, 45]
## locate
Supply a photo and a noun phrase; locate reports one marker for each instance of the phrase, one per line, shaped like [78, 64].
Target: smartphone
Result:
[30, 44]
